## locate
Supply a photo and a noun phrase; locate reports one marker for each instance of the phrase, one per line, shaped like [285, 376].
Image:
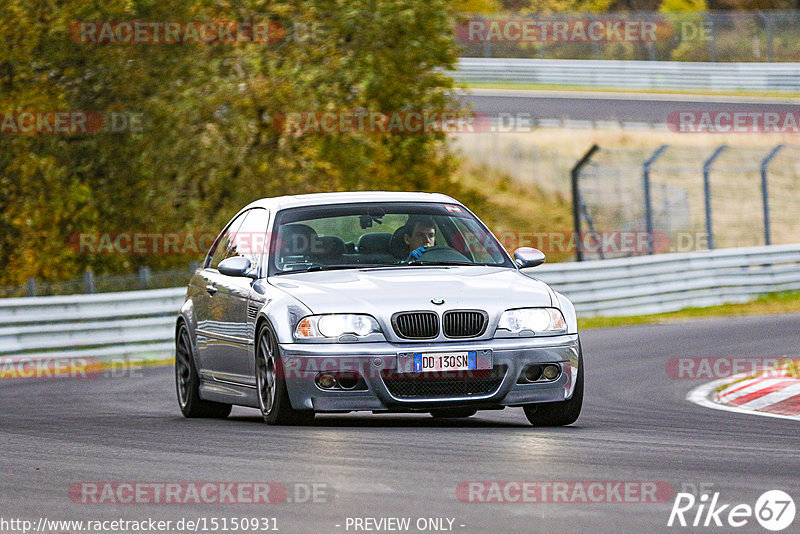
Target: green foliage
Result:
[210, 144]
[671, 6]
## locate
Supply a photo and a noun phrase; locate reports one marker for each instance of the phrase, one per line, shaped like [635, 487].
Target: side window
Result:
[251, 237]
[225, 246]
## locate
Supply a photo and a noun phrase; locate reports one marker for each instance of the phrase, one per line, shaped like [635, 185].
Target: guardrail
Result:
[140, 324]
[669, 282]
[780, 77]
[129, 324]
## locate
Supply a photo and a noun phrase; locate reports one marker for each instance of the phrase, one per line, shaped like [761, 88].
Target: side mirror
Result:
[527, 257]
[235, 266]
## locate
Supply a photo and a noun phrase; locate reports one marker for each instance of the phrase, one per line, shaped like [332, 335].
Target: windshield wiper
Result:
[416, 263]
[315, 268]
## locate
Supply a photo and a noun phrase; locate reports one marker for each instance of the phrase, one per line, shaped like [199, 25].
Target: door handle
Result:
[211, 289]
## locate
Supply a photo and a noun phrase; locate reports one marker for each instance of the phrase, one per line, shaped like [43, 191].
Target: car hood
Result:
[384, 291]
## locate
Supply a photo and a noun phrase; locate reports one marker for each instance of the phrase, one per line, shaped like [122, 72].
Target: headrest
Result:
[329, 247]
[297, 239]
[374, 243]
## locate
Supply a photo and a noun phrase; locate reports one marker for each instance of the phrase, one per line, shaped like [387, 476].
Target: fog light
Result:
[533, 373]
[326, 381]
[551, 372]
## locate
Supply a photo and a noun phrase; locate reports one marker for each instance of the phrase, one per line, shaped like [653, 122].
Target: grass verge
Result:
[773, 303]
[512, 211]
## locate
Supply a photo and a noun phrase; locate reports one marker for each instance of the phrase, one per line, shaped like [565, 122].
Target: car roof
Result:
[318, 199]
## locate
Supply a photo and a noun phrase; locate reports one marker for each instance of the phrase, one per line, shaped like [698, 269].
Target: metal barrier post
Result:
[770, 35]
[707, 193]
[712, 44]
[648, 203]
[765, 192]
[576, 200]
[144, 277]
[88, 281]
[31, 287]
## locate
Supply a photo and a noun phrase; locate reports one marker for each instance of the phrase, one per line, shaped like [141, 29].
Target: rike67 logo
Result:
[774, 510]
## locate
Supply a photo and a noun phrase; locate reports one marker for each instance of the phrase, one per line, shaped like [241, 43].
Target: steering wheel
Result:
[440, 253]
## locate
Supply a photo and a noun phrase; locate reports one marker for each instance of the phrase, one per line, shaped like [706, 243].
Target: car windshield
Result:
[316, 238]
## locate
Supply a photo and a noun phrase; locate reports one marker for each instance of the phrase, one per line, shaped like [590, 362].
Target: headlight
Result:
[319, 327]
[531, 321]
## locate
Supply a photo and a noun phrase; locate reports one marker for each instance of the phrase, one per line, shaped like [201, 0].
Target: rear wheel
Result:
[273, 396]
[447, 413]
[559, 413]
[187, 382]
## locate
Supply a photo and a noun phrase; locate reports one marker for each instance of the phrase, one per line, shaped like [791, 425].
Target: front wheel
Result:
[273, 396]
[559, 413]
[187, 382]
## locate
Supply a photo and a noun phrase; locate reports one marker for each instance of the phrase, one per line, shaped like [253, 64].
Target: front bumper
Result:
[304, 361]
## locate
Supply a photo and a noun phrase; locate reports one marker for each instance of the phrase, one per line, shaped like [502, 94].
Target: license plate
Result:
[445, 361]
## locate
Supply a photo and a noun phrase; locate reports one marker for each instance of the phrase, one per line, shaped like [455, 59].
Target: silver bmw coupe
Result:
[373, 301]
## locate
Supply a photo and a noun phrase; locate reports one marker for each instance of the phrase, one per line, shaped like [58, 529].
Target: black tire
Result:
[187, 382]
[273, 396]
[559, 413]
[451, 413]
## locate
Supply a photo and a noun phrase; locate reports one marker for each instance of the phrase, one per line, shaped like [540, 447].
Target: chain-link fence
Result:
[91, 283]
[730, 36]
[678, 199]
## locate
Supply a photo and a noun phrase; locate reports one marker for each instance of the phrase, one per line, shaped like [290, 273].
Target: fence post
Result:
[765, 192]
[648, 203]
[88, 281]
[576, 200]
[770, 38]
[31, 287]
[712, 44]
[487, 44]
[707, 193]
[144, 277]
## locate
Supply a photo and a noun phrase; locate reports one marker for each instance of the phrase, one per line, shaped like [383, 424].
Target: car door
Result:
[214, 306]
[235, 362]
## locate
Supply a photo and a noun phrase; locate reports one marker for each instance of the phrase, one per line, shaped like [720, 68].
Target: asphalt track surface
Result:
[621, 107]
[636, 426]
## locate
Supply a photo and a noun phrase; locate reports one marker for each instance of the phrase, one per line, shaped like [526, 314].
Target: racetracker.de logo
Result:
[71, 122]
[381, 122]
[698, 367]
[177, 493]
[39, 367]
[606, 242]
[574, 491]
[176, 32]
[576, 29]
[734, 121]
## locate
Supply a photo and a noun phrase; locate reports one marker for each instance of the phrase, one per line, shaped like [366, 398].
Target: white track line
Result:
[700, 394]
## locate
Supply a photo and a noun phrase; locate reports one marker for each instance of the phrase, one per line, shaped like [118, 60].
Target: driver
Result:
[419, 233]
